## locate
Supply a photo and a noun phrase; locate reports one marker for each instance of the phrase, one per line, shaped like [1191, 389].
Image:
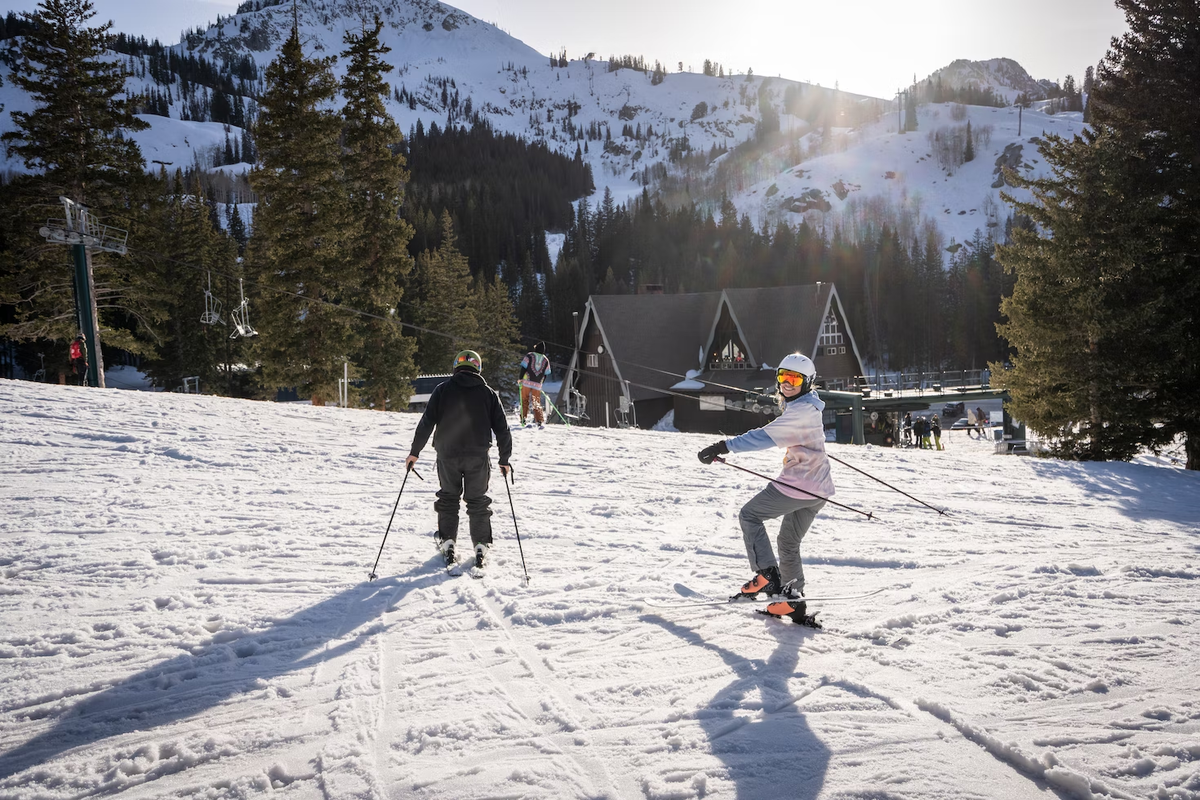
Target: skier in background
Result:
[534, 368]
[980, 421]
[936, 427]
[797, 496]
[463, 413]
[79, 360]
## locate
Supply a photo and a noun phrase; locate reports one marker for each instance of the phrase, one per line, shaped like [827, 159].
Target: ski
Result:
[702, 601]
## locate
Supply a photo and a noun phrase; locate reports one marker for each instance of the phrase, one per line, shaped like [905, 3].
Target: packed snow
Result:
[186, 613]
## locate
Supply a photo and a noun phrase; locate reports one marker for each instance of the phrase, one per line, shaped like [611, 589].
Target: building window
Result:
[728, 357]
[830, 334]
[593, 361]
[712, 402]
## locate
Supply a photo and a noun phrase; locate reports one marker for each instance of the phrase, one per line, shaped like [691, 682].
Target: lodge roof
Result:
[662, 332]
[656, 337]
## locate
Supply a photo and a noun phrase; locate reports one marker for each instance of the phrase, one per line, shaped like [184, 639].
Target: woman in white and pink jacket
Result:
[797, 496]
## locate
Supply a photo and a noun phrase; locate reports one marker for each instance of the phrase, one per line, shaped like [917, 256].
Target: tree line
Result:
[911, 304]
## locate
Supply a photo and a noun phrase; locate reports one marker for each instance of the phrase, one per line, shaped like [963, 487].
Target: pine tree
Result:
[1070, 372]
[969, 148]
[192, 257]
[296, 254]
[376, 177]
[74, 144]
[498, 336]
[442, 303]
[76, 133]
[1145, 110]
[1103, 314]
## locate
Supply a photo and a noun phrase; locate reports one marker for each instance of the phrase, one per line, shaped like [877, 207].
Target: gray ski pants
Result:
[797, 515]
[464, 477]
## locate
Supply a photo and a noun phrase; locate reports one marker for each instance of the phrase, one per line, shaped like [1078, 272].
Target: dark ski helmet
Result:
[468, 359]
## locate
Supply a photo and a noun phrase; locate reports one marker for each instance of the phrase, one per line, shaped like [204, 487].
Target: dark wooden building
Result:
[641, 356]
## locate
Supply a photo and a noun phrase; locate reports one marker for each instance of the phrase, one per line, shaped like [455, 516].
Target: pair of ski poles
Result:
[867, 514]
[506, 476]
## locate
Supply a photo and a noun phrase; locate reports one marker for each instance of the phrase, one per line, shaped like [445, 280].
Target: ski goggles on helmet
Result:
[469, 359]
[789, 377]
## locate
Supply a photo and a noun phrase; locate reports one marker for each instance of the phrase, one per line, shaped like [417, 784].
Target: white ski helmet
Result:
[798, 362]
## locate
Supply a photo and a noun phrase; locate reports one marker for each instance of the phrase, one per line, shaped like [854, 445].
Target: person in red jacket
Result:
[79, 360]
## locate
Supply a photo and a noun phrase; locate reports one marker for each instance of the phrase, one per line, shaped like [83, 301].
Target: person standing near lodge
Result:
[980, 421]
[79, 360]
[463, 414]
[534, 368]
[936, 427]
[920, 431]
[799, 493]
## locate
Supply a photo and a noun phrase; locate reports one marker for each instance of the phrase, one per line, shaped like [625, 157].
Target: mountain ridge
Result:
[637, 129]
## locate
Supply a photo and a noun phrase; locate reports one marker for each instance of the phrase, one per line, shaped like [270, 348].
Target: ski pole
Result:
[867, 514]
[514, 516]
[389, 525]
[888, 485]
[556, 411]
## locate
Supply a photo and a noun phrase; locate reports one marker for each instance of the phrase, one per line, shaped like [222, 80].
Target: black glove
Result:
[709, 454]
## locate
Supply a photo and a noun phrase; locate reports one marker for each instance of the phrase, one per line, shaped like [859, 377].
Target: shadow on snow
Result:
[773, 753]
[194, 682]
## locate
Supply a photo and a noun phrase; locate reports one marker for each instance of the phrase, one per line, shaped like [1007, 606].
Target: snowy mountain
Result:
[184, 612]
[872, 175]
[836, 157]
[1005, 77]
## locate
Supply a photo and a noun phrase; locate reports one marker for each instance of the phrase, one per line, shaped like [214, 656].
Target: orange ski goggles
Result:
[789, 377]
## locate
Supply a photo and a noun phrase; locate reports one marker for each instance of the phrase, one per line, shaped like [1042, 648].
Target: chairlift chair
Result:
[241, 317]
[212, 307]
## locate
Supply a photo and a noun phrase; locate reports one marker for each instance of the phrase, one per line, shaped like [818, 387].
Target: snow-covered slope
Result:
[876, 175]
[184, 613]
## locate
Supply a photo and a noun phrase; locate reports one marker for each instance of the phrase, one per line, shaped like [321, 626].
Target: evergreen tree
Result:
[75, 136]
[969, 148]
[499, 336]
[1068, 376]
[236, 226]
[375, 177]
[191, 257]
[74, 144]
[297, 254]
[442, 303]
[1103, 316]
[1145, 111]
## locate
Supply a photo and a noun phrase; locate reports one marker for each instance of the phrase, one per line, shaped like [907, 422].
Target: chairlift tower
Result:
[83, 234]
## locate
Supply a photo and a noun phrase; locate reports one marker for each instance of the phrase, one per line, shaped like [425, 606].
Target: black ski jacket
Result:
[465, 412]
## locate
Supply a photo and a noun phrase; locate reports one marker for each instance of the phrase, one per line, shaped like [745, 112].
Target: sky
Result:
[865, 46]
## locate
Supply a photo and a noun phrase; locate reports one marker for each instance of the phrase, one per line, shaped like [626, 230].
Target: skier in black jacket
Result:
[465, 412]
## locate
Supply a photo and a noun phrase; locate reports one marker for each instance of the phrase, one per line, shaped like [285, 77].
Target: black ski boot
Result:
[446, 548]
[793, 608]
[481, 560]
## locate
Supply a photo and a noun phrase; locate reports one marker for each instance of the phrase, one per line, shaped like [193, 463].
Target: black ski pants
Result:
[464, 477]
